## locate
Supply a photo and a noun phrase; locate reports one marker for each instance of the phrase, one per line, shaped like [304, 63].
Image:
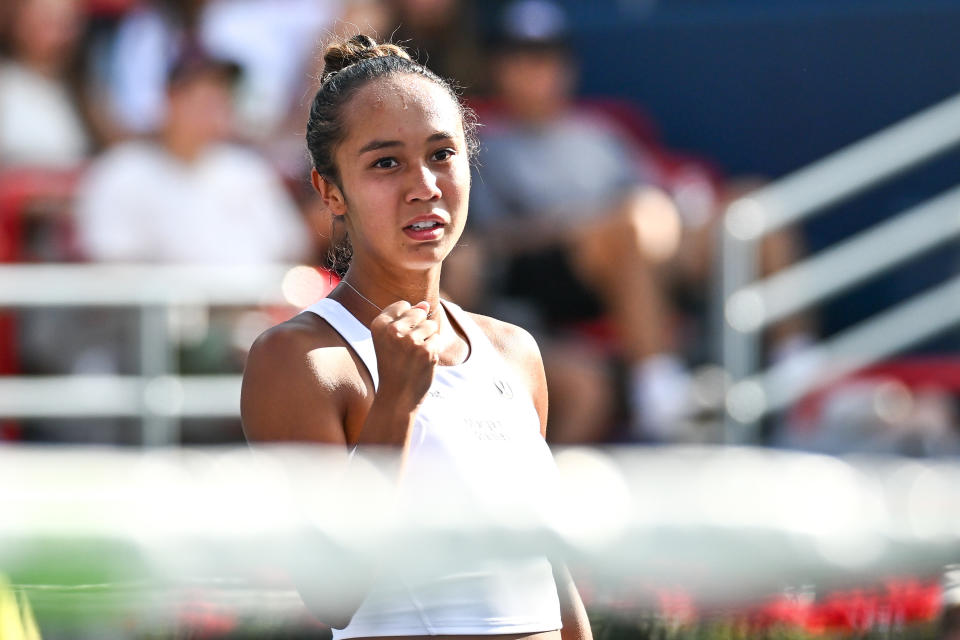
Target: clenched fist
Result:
[404, 339]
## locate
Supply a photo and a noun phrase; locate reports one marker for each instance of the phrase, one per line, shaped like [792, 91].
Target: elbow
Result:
[332, 604]
[331, 581]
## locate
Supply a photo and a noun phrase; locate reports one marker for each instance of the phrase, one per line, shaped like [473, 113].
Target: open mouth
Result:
[425, 225]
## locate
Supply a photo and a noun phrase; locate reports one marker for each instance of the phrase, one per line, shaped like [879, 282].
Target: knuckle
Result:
[416, 313]
[396, 309]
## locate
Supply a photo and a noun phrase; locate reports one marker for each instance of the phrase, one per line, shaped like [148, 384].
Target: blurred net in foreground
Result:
[675, 538]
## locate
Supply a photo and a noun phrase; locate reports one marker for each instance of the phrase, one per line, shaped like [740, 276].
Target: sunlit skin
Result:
[404, 157]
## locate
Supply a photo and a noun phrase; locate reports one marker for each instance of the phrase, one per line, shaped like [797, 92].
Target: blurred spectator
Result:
[41, 122]
[285, 148]
[272, 40]
[443, 34]
[190, 197]
[146, 42]
[373, 17]
[590, 231]
[566, 202]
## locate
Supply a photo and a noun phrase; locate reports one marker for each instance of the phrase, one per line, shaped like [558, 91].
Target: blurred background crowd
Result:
[614, 136]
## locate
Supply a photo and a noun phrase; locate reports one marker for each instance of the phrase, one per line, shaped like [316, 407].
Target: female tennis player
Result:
[383, 361]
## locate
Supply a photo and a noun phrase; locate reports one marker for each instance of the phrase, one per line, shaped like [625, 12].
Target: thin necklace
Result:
[374, 304]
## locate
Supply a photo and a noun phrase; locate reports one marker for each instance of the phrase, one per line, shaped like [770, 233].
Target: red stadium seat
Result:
[940, 373]
[23, 190]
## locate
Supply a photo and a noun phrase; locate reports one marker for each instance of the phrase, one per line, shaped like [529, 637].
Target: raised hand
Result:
[404, 338]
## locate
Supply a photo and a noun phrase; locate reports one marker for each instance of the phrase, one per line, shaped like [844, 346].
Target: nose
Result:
[423, 186]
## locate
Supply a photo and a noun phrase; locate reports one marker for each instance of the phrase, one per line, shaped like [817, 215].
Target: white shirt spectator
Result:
[139, 203]
[39, 123]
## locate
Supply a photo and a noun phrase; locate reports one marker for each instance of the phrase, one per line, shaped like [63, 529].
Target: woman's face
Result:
[404, 173]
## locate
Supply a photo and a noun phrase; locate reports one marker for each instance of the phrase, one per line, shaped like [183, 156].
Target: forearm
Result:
[383, 443]
[573, 615]
[331, 578]
[385, 436]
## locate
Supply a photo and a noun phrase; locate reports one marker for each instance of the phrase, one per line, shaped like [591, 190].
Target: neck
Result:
[182, 145]
[373, 291]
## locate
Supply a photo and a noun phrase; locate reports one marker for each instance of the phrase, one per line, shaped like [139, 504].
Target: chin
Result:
[424, 261]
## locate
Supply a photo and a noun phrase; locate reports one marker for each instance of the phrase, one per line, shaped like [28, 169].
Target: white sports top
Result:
[478, 422]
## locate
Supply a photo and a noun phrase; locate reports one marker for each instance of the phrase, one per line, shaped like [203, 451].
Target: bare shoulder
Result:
[514, 343]
[298, 380]
[304, 340]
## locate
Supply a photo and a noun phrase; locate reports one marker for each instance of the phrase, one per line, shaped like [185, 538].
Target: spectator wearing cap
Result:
[571, 208]
[579, 215]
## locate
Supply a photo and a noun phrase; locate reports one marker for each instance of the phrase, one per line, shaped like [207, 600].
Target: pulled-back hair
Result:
[348, 65]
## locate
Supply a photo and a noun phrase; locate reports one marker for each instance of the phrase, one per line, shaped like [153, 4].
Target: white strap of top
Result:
[360, 339]
[480, 345]
[351, 330]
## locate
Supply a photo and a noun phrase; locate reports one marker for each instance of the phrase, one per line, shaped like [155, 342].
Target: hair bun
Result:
[360, 47]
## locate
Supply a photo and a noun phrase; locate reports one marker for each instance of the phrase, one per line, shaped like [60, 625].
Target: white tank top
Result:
[479, 424]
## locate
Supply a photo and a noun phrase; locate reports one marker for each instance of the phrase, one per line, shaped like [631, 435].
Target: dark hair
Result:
[348, 65]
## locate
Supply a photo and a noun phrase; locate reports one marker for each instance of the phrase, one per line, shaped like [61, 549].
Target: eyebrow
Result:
[383, 144]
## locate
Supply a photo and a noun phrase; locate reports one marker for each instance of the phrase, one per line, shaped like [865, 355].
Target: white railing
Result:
[750, 305]
[157, 394]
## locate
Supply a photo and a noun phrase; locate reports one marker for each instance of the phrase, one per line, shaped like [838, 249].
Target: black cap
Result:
[193, 60]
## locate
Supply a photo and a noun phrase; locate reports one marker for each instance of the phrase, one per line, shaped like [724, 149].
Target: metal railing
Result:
[158, 394]
[751, 304]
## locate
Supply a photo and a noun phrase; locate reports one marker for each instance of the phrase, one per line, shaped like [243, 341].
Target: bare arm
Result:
[302, 384]
[404, 340]
[295, 389]
[573, 615]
